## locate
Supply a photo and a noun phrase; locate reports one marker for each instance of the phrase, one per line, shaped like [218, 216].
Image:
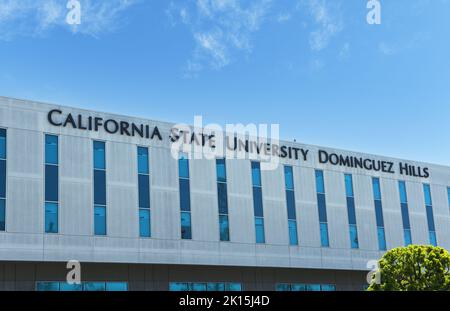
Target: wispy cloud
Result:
[36, 17]
[327, 21]
[220, 28]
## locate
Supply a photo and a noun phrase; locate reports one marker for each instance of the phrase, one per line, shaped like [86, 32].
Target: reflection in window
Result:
[207, 286]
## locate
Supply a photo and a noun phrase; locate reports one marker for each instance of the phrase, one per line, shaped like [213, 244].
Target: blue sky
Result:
[313, 66]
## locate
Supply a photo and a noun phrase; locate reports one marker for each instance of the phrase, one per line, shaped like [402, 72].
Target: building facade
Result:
[106, 191]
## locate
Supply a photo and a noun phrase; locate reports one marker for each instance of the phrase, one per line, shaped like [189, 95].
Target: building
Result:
[106, 191]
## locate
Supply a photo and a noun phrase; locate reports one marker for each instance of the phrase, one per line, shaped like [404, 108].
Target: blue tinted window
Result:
[321, 201]
[349, 185]
[51, 217]
[313, 288]
[256, 174]
[234, 287]
[221, 170]
[186, 232]
[290, 197]
[116, 287]
[298, 287]
[430, 218]
[144, 223]
[100, 220]
[94, 286]
[433, 239]
[379, 213]
[47, 286]
[283, 288]
[289, 177]
[258, 202]
[2, 178]
[223, 199]
[143, 160]
[293, 235]
[354, 236]
[427, 193]
[2, 215]
[351, 211]
[448, 195]
[51, 183]
[144, 191]
[198, 287]
[407, 236]
[185, 195]
[66, 287]
[328, 288]
[376, 188]
[224, 228]
[99, 187]
[216, 287]
[259, 230]
[405, 216]
[183, 167]
[381, 239]
[320, 184]
[402, 190]
[324, 235]
[51, 149]
[2, 144]
[178, 287]
[99, 155]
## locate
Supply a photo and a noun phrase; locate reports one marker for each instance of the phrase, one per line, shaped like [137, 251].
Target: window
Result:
[258, 209]
[405, 213]
[100, 220]
[51, 184]
[259, 229]
[351, 212]
[222, 193]
[2, 179]
[290, 202]
[144, 192]
[210, 287]
[99, 188]
[379, 213]
[185, 197]
[322, 208]
[305, 287]
[430, 216]
[85, 286]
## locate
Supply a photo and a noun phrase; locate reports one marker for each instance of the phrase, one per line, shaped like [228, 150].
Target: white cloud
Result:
[220, 28]
[327, 20]
[36, 17]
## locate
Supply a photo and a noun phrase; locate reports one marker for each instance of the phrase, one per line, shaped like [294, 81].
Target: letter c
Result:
[50, 114]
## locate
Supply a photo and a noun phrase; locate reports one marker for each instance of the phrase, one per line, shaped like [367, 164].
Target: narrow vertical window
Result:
[351, 212]
[322, 206]
[430, 217]
[144, 192]
[51, 184]
[290, 202]
[379, 214]
[405, 213]
[2, 179]
[99, 188]
[222, 193]
[185, 197]
[258, 210]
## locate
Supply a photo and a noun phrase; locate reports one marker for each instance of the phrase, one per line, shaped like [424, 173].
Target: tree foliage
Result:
[414, 268]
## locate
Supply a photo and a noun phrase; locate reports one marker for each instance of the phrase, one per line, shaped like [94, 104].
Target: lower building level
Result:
[51, 276]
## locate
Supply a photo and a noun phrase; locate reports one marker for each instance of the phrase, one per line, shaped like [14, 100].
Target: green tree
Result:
[414, 268]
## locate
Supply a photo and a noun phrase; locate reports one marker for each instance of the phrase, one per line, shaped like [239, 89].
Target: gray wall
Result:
[24, 239]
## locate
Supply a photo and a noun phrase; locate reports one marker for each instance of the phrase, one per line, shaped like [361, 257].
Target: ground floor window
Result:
[85, 286]
[286, 287]
[204, 287]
